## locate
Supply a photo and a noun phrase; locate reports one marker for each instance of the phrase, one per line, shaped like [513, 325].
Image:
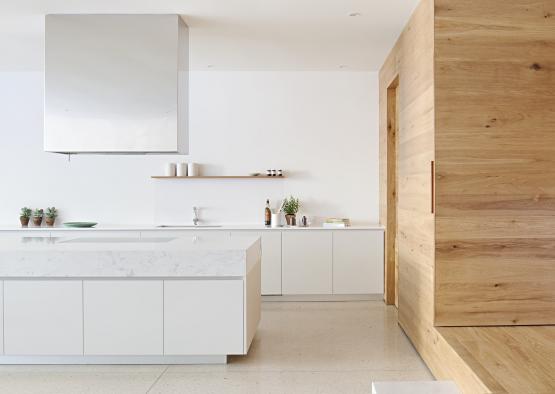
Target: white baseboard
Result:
[93, 360]
[322, 298]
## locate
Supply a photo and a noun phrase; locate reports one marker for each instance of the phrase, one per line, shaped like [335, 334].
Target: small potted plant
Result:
[291, 207]
[24, 216]
[37, 217]
[50, 216]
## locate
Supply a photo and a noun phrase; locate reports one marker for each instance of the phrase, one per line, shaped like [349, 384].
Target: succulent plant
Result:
[38, 213]
[291, 205]
[51, 212]
[25, 212]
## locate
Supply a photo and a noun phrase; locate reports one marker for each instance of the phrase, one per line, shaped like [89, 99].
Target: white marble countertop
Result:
[150, 227]
[212, 255]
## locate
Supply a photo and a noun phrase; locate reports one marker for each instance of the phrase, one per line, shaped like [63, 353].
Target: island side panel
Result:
[253, 300]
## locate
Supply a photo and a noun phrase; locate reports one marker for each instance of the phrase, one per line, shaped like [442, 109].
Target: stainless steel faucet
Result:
[195, 216]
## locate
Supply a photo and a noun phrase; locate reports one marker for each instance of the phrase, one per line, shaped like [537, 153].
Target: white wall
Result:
[320, 127]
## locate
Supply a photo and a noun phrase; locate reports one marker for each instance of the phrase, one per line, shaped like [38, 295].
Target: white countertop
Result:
[212, 255]
[147, 227]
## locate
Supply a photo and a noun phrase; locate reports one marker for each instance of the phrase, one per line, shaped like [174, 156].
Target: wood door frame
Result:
[391, 268]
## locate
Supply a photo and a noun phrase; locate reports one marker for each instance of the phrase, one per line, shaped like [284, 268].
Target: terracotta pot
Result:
[49, 221]
[291, 220]
[24, 221]
[37, 220]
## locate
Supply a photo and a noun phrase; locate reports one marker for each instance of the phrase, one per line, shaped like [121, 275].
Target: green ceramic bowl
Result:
[80, 224]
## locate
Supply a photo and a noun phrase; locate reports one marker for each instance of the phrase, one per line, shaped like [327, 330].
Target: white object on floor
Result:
[415, 387]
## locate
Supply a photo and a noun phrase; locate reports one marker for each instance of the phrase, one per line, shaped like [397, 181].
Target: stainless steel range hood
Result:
[116, 84]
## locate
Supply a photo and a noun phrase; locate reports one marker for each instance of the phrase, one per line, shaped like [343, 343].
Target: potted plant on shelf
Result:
[24, 216]
[37, 217]
[51, 214]
[291, 207]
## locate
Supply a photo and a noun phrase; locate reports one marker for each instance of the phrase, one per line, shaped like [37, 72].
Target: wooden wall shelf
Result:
[218, 177]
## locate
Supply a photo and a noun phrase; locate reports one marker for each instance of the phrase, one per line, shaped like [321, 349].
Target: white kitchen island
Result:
[128, 300]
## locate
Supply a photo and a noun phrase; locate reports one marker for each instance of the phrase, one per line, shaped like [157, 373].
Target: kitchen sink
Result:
[189, 226]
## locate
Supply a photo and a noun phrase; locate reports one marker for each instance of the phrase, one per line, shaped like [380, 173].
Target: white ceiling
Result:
[234, 34]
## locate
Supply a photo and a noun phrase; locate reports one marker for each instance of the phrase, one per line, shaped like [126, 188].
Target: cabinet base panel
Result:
[97, 360]
[321, 297]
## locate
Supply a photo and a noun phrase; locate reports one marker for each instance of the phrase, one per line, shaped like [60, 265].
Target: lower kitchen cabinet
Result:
[271, 259]
[357, 262]
[203, 317]
[306, 262]
[123, 317]
[43, 317]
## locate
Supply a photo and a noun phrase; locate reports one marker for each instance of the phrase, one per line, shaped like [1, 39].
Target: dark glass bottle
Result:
[267, 214]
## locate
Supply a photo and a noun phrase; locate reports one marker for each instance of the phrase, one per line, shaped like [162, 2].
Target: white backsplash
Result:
[321, 128]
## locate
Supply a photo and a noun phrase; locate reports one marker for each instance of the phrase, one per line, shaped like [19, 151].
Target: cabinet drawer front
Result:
[43, 317]
[123, 317]
[307, 262]
[203, 317]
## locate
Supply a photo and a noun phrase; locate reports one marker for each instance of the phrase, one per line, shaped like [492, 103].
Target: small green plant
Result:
[51, 212]
[38, 213]
[291, 205]
[25, 212]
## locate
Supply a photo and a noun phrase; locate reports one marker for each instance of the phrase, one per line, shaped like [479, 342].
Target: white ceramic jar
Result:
[182, 169]
[192, 169]
[170, 169]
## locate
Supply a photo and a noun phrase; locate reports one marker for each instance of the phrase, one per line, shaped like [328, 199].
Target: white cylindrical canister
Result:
[170, 169]
[181, 169]
[192, 169]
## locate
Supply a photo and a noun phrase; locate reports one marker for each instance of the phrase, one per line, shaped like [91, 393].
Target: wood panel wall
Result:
[411, 60]
[495, 161]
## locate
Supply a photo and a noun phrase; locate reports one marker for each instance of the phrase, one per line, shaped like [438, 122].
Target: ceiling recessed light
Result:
[209, 66]
[355, 14]
[343, 66]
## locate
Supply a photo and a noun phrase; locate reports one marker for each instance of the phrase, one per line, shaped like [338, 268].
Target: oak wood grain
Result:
[507, 360]
[495, 158]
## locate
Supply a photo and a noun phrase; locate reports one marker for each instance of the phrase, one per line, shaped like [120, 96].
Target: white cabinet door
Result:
[307, 262]
[271, 259]
[203, 317]
[357, 268]
[123, 317]
[43, 317]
